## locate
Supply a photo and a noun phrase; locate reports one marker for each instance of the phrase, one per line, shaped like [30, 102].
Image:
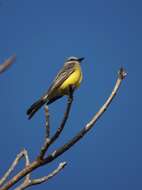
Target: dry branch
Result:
[49, 141]
[7, 63]
[40, 162]
[42, 179]
[66, 115]
[19, 156]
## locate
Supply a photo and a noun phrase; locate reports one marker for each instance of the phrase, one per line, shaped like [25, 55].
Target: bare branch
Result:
[52, 174]
[7, 63]
[42, 179]
[47, 134]
[19, 156]
[49, 141]
[66, 115]
[40, 162]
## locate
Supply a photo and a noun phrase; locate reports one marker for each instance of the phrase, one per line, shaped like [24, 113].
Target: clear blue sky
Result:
[42, 34]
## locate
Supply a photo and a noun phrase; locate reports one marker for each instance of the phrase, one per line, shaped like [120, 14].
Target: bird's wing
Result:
[63, 74]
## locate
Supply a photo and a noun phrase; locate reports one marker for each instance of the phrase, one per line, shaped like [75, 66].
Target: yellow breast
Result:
[74, 79]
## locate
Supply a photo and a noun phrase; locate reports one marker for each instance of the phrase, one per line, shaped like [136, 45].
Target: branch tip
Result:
[63, 164]
[122, 73]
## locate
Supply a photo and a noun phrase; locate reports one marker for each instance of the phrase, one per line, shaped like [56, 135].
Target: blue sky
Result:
[43, 34]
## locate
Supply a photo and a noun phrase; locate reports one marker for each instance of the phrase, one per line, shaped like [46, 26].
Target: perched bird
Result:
[69, 75]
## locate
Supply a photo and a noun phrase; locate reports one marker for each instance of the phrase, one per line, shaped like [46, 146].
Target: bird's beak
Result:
[81, 59]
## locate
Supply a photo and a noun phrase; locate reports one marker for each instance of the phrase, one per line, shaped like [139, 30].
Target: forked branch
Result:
[22, 154]
[49, 141]
[40, 162]
[44, 179]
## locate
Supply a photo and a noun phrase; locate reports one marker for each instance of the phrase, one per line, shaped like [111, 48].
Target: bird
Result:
[69, 76]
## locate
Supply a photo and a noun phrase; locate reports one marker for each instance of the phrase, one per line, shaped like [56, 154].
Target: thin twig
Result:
[27, 178]
[38, 163]
[19, 156]
[7, 63]
[66, 115]
[49, 141]
[47, 134]
[52, 174]
[47, 124]
[42, 179]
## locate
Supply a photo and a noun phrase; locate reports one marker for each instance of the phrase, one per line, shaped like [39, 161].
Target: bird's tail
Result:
[35, 107]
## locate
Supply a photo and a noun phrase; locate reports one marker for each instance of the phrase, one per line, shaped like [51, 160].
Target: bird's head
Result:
[72, 58]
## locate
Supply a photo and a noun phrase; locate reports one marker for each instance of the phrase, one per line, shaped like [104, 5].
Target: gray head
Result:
[72, 58]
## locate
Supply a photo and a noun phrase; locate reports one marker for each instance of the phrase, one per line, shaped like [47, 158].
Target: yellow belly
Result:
[74, 79]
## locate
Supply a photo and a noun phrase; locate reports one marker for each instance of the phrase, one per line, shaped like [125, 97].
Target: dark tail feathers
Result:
[35, 107]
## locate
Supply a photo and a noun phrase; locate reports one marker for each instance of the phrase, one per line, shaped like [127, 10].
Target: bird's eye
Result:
[72, 60]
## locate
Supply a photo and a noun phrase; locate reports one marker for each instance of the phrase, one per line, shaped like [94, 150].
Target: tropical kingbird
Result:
[69, 76]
